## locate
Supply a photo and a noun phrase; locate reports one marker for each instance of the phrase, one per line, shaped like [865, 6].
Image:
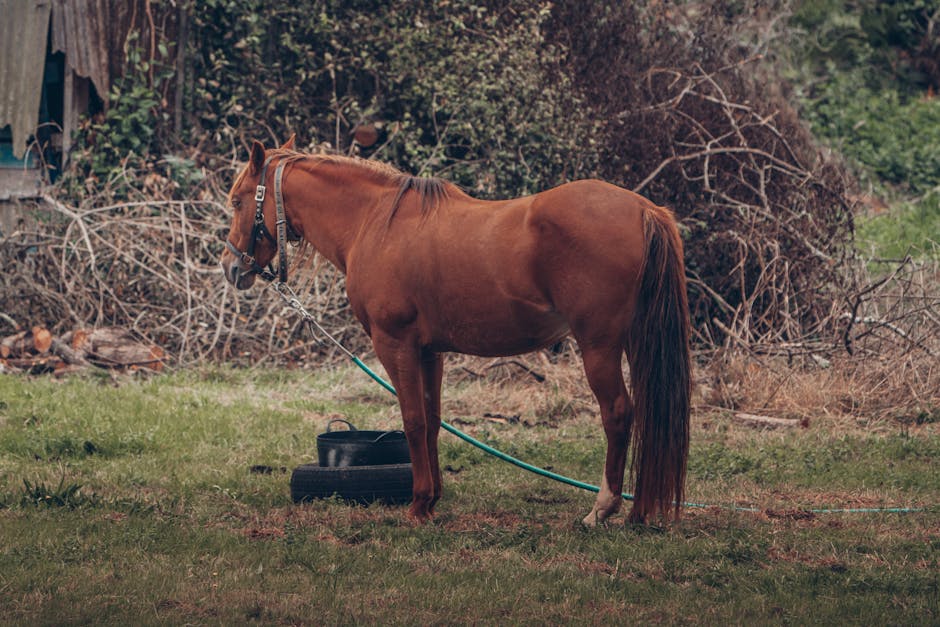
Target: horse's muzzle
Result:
[235, 273]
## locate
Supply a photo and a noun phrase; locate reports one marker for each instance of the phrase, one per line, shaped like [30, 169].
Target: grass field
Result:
[131, 501]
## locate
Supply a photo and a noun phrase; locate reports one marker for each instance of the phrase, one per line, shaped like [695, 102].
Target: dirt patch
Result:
[834, 564]
[476, 522]
[186, 608]
[263, 533]
[334, 524]
[789, 514]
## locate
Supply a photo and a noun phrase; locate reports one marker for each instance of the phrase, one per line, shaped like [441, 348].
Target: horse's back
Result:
[557, 260]
[529, 247]
[590, 210]
[509, 276]
[591, 242]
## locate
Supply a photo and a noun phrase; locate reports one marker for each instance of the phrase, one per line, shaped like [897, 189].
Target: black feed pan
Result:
[340, 449]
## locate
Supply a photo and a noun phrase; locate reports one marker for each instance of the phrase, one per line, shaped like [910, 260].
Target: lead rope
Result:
[290, 297]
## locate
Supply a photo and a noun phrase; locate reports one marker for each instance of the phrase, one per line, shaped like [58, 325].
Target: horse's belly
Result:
[518, 329]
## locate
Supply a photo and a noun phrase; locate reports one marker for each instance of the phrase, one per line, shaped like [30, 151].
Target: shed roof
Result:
[23, 31]
[80, 30]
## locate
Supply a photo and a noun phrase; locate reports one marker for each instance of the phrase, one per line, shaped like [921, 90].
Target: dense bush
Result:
[693, 118]
[463, 89]
[868, 74]
[895, 138]
[896, 43]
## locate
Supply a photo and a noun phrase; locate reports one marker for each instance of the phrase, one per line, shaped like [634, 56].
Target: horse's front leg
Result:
[432, 367]
[402, 361]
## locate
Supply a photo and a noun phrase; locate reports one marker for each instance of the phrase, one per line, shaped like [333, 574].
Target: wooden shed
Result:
[57, 61]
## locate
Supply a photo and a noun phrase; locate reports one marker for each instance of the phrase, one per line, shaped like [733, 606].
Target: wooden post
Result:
[68, 112]
[74, 103]
[180, 70]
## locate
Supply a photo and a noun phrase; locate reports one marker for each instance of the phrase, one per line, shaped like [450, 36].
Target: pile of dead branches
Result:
[695, 120]
[152, 269]
[899, 308]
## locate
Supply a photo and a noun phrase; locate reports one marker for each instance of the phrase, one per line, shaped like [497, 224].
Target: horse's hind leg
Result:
[605, 376]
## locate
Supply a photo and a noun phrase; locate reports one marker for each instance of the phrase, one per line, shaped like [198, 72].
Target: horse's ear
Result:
[289, 144]
[256, 159]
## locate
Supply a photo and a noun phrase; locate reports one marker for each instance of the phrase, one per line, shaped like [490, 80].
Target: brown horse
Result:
[430, 270]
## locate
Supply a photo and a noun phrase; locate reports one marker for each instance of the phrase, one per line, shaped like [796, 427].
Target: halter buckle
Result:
[259, 193]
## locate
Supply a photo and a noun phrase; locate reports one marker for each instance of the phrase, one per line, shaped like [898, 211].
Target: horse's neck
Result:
[329, 209]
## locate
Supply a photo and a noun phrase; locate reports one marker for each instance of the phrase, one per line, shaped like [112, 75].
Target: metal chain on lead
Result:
[290, 297]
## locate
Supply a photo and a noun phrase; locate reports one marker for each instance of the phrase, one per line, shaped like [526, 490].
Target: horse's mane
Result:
[431, 190]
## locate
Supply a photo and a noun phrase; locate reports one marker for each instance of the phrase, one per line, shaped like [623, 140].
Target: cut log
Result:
[113, 347]
[26, 343]
[68, 354]
[15, 345]
[42, 340]
[766, 422]
[38, 351]
[77, 339]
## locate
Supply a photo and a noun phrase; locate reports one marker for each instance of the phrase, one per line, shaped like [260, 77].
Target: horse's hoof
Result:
[420, 515]
[596, 519]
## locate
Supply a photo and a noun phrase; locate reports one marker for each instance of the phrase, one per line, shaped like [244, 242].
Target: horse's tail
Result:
[660, 372]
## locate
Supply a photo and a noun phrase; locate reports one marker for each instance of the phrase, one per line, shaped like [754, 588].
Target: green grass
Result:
[134, 504]
[908, 228]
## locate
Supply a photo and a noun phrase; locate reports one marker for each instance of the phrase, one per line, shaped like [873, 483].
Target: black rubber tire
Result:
[389, 483]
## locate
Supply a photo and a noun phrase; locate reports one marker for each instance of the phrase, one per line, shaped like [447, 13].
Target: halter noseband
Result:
[260, 229]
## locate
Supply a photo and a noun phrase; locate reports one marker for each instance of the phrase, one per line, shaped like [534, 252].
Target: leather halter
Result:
[260, 229]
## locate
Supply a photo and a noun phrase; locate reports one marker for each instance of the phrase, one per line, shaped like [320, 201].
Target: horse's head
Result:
[250, 243]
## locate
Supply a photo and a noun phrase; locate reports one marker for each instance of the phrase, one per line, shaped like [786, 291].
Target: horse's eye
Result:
[237, 203]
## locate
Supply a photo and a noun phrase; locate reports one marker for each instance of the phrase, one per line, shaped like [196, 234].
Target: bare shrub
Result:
[152, 267]
[697, 122]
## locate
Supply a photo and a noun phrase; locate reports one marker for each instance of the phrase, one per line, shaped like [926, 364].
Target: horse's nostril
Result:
[228, 271]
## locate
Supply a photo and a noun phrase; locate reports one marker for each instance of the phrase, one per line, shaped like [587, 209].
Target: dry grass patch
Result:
[843, 391]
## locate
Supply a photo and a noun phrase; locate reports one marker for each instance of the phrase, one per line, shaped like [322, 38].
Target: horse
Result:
[431, 270]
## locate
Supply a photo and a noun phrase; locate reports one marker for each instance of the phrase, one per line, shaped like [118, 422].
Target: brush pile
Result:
[696, 120]
[151, 269]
